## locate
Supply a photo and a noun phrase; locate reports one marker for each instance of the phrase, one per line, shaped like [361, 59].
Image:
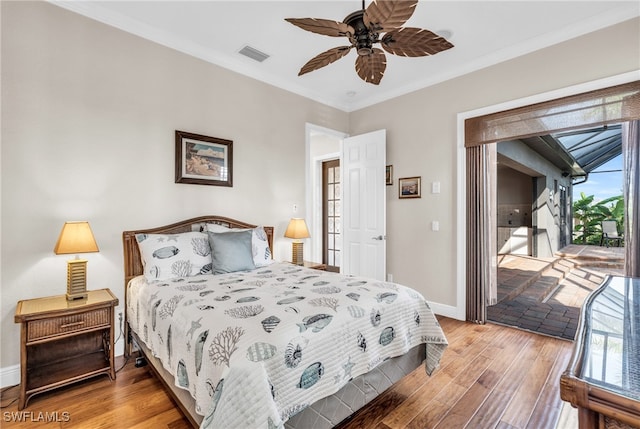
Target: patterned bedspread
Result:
[254, 348]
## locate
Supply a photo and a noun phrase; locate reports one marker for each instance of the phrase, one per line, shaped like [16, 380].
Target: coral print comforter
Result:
[256, 347]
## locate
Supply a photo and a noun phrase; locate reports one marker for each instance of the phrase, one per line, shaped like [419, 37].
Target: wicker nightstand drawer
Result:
[44, 328]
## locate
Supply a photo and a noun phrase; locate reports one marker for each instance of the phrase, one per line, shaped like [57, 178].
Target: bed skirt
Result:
[323, 414]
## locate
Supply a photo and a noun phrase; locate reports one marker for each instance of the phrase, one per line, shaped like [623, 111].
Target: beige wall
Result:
[88, 120]
[422, 141]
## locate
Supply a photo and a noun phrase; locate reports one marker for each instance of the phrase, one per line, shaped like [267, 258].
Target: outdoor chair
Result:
[610, 233]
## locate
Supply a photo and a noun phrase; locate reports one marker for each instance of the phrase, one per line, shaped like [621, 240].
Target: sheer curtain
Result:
[482, 274]
[631, 187]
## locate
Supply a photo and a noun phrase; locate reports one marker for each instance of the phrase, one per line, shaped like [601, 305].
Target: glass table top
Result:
[612, 338]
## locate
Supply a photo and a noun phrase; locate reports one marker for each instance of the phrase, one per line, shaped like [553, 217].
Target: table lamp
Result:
[297, 229]
[76, 237]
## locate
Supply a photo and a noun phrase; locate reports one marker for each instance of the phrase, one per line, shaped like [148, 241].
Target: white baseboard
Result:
[9, 376]
[447, 311]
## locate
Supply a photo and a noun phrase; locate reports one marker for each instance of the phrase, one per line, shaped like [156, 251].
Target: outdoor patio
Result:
[544, 295]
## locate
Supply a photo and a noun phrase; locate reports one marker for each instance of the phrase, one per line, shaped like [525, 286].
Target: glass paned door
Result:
[331, 208]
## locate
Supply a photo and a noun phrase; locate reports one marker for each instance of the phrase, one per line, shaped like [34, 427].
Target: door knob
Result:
[379, 237]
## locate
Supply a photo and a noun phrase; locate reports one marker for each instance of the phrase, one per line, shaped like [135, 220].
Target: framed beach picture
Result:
[409, 187]
[203, 160]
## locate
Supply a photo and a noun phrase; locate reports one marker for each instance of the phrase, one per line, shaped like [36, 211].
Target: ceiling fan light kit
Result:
[363, 29]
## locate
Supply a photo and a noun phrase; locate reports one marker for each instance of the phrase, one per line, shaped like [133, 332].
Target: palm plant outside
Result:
[588, 216]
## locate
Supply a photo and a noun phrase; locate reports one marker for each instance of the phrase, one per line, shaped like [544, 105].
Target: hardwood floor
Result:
[489, 377]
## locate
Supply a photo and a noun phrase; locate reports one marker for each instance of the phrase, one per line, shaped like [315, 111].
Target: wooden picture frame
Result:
[410, 187]
[203, 160]
[389, 175]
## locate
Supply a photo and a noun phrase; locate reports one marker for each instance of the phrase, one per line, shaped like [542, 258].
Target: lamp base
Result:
[296, 254]
[76, 279]
[76, 296]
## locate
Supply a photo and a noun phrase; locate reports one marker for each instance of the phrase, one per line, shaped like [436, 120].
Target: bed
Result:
[242, 341]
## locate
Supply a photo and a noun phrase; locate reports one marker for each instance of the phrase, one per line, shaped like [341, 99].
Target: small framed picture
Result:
[389, 175]
[410, 187]
[203, 160]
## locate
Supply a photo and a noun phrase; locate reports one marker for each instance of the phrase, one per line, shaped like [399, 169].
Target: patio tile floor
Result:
[545, 295]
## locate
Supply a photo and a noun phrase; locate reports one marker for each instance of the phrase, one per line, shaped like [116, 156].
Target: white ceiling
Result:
[483, 32]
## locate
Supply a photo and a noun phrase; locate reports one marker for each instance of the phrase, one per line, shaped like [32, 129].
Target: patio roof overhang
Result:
[579, 152]
[593, 147]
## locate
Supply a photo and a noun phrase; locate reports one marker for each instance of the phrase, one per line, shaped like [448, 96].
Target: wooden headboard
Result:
[132, 260]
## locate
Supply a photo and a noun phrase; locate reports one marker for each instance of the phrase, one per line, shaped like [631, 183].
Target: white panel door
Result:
[364, 205]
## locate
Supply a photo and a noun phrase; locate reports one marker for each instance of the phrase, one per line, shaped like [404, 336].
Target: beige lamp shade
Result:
[297, 229]
[76, 237]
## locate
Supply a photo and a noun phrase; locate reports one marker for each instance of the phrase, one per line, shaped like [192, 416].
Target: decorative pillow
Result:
[231, 251]
[166, 256]
[259, 244]
[260, 247]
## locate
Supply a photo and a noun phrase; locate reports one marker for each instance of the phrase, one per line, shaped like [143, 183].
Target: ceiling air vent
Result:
[253, 53]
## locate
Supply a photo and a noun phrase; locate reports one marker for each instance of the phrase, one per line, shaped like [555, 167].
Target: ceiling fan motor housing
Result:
[364, 37]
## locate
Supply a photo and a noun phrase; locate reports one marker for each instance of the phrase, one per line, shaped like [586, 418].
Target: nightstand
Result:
[315, 265]
[62, 341]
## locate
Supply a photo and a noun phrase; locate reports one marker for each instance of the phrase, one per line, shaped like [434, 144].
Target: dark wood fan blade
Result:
[325, 27]
[388, 15]
[414, 42]
[324, 59]
[371, 67]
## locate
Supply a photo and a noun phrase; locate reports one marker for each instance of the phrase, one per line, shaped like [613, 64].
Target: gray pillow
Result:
[231, 251]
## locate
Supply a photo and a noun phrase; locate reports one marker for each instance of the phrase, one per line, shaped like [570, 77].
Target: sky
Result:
[602, 185]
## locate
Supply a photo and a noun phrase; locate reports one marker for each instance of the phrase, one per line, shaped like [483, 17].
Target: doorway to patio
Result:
[601, 104]
[543, 277]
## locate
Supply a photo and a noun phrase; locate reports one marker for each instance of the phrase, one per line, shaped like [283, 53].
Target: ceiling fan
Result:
[363, 28]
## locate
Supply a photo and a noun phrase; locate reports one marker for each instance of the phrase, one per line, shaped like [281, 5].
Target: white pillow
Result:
[259, 243]
[166, 256]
